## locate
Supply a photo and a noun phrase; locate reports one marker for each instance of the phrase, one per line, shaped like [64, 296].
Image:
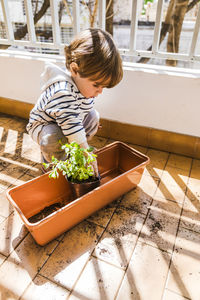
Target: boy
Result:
[64, 111]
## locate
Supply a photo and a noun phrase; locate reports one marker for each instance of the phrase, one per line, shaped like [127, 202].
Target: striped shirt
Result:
[61, 102]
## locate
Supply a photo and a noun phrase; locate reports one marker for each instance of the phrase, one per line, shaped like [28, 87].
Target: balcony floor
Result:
[145, 245]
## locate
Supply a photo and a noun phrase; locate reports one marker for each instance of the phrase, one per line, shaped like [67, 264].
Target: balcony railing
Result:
[131, 51]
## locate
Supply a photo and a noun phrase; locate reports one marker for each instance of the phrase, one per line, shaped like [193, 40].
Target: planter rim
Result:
[77, 200]
[119, 168]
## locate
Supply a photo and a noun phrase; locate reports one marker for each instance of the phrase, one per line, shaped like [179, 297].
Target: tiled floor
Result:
[145, 245]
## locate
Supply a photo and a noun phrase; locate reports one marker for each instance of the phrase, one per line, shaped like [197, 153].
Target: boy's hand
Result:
[95, 168]
[84, 145]
[94, 163]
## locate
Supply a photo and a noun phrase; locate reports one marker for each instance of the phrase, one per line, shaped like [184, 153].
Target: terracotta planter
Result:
[120, 168]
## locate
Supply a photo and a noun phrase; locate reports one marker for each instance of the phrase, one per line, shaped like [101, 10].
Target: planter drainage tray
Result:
[120, 168]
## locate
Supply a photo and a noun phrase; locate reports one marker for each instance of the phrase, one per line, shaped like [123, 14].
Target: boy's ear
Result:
[73, 68]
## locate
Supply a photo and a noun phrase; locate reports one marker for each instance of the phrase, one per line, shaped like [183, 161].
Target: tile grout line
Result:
[170, 263]
[184, 297]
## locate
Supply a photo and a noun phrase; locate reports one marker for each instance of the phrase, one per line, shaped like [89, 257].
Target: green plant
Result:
[77, 165]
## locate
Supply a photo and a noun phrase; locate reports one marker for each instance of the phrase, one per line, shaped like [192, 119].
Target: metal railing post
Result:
[102, 14]
[30, 22]
[76, 16]
[8, 24]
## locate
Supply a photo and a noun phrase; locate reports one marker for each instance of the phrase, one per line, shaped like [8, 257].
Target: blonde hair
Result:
[97, 57]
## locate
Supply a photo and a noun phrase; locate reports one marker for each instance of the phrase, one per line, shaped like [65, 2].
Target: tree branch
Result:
[192, 4]
[166, 26]
[68, 10]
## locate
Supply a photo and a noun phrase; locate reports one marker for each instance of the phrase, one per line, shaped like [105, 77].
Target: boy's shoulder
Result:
[53, 74]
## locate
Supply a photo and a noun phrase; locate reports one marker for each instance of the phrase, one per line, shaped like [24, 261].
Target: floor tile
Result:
[122, 251]
[184, 274]
[191, 210]
[173, 185]
[35, 170]
[41, 289]
[193, 189]
[195, 172]
[136, 200]
[179, 162]
[169, 295]
[11, 141]
[146, 275]
[66, 263]
[2, 258]
[12, 231]
[102, 280]
[119, 239]
[6, 181]
[149, 185]
[22, 266]
[23, 179]
[138, 148]
[109, 141]
[158, 160]
[5, 207]
[175, 177]
[161, 225]
[170, 192]
[8, 294]
[2, 219]
[98, 142]
[11, 177]
[102, 216]
[30, 149]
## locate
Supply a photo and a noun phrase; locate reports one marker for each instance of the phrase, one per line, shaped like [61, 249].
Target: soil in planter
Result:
[90, 179]
[46, 211]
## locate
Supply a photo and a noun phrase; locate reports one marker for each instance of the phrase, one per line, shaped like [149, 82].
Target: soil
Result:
[90, 179]
[45, 212]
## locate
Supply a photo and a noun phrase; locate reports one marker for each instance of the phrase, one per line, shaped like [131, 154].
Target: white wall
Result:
[153, 96]
[162, 98]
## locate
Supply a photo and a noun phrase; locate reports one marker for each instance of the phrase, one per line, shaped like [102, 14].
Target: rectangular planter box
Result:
[120, 167]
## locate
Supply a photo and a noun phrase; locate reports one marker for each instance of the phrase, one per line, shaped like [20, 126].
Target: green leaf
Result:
[77, 164]
[90, 149]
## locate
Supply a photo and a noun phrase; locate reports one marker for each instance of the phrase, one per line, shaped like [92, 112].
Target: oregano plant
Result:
[77, 164]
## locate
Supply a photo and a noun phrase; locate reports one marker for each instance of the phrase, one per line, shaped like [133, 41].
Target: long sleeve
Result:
[63, 104]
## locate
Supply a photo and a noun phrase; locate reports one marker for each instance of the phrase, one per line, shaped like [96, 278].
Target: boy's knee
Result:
[51, 135]
[50, 146]
[94, 116]
[48, 140]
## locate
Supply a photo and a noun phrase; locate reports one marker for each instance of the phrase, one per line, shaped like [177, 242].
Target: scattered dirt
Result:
[103, 251]
[91, 228]
[155, 227]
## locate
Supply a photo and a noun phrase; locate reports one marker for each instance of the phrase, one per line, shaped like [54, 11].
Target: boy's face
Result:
[87, 87]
